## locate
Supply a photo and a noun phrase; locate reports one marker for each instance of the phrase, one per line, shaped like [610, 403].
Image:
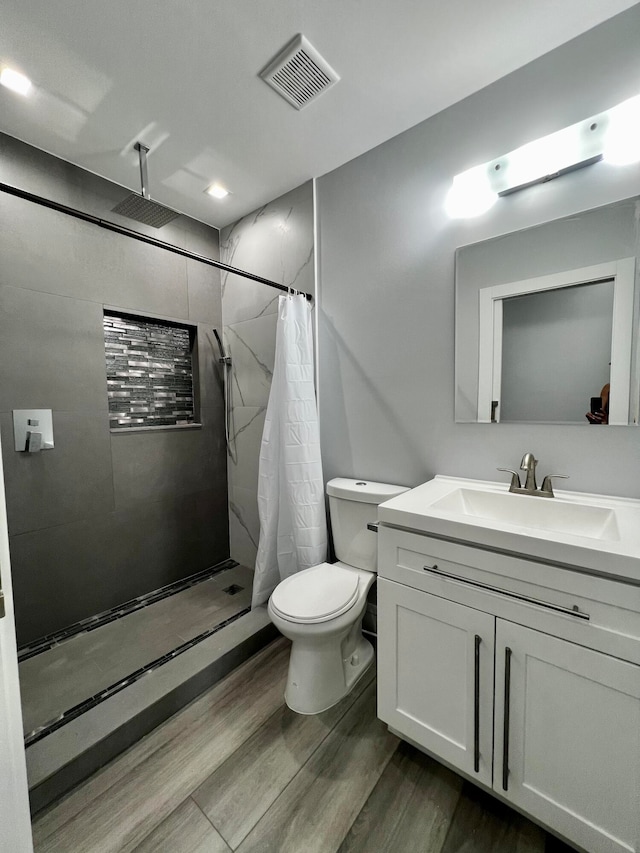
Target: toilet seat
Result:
[316, 595]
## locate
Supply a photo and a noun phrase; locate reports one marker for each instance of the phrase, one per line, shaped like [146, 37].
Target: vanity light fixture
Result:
[622, 143]
[15, 81]
[217, 191]
[613, 136]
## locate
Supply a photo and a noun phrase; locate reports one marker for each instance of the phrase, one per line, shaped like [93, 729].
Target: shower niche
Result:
[150, 372]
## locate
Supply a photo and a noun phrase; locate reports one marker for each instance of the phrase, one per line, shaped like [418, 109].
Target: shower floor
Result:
[77, 669]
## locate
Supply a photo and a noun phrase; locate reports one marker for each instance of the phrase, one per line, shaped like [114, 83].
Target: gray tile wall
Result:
[103, 517]
[276, 242]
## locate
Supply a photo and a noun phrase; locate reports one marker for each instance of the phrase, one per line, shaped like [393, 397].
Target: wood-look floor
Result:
[236, 770]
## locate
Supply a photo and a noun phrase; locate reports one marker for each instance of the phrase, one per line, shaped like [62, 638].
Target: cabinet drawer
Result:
[583, 608]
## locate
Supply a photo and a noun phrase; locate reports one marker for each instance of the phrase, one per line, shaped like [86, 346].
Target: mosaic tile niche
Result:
[149, 372]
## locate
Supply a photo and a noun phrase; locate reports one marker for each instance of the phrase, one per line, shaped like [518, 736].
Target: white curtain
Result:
[293, 528]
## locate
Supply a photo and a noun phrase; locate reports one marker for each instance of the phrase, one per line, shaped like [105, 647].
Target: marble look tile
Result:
[410, 809]
[186, 830]
[248, 425]
[252, 346]
[483, 823]
[336, 781]
[243, 299]
[122, 804]
[244, 526]
[275, 241]
[210, 372]
[236, 796]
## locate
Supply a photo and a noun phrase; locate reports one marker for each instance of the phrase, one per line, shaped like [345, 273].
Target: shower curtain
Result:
[293, 528]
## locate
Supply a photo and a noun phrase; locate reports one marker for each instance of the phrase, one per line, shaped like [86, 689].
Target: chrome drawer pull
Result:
[567, 611]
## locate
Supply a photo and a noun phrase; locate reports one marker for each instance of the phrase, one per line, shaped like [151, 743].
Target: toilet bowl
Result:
[320, 609]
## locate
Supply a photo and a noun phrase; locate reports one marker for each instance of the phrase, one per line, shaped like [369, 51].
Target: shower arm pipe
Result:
[143, 238]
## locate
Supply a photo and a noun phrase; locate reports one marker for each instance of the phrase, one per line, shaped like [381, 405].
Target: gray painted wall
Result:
[276, 242]
[386, 291]
[103, 517]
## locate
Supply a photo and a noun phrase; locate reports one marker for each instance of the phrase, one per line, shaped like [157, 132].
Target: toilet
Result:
[321, 609]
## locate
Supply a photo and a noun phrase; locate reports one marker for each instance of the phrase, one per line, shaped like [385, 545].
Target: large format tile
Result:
[252, 346]
[238, 794]
[54, 682]
[247, 429]
[244, 526]
[70, 482]
[150, 466]
[409, 810]
[100, 562]
[53, 352]
[186, 830]
[316, 809]
[210, 371]
[63, 574]
[202, 239]
[205, 303]
[163, 541]
[276, 242]
[78, 668]
[125, 802]
[69, 755]
[36, 245]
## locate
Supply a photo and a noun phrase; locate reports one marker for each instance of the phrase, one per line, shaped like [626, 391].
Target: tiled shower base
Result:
[91, 695]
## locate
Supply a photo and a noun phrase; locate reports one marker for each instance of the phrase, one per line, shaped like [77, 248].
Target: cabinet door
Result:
[435, 675]
[571, 721]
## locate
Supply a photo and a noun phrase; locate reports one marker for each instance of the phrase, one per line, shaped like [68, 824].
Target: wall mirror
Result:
[547, 322]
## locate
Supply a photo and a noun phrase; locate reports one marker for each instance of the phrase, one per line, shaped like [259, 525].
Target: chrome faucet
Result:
[528, 464]
[530, 487]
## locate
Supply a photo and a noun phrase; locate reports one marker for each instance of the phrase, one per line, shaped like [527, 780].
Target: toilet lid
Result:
[317, 594]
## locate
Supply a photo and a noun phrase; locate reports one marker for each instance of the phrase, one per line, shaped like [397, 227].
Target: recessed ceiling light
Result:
[217, 191]
[15, 81]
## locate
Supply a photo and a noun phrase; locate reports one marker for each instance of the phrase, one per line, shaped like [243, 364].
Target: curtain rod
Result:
[143, 238]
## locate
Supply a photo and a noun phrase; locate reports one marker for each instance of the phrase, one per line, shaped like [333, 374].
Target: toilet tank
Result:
[352, 505]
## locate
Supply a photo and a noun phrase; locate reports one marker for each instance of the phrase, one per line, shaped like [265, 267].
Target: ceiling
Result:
[182, 77]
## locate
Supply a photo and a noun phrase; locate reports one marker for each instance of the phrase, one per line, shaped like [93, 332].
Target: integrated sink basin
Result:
[599, 534]
[550, 514]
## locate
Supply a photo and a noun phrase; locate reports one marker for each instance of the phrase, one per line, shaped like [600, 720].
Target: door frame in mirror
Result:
[621, 272]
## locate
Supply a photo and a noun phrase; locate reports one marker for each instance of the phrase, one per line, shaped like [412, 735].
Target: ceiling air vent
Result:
[299, 73]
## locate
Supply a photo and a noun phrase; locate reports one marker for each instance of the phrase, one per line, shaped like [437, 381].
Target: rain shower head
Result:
[140, 207]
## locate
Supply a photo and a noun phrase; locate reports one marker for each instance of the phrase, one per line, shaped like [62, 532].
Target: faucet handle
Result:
[546, 483]
[515, 478]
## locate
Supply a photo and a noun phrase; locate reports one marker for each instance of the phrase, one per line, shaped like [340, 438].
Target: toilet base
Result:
[321, 674]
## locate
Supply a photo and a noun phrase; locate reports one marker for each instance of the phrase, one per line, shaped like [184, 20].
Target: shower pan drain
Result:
[233, 589]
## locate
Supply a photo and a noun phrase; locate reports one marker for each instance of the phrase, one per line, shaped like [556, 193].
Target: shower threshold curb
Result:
[72, 753]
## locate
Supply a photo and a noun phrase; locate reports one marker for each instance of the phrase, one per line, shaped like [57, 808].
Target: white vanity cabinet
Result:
[524, 677]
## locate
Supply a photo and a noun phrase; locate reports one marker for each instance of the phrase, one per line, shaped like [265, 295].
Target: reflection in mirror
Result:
[542, 338]
[548, 331]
